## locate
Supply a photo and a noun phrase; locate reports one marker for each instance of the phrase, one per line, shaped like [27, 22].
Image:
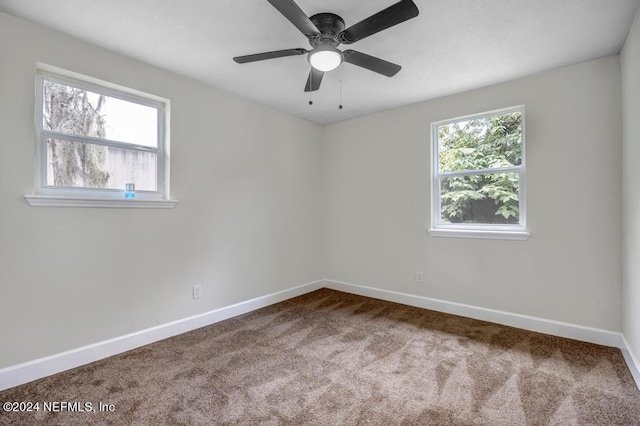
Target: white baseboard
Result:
[26, 372]
[632, 361]
[39, 368]
[540, 325]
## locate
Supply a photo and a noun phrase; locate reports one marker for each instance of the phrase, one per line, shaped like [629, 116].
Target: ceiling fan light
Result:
[325, 59]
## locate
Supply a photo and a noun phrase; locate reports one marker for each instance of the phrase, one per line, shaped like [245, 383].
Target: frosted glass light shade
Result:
[325, 60]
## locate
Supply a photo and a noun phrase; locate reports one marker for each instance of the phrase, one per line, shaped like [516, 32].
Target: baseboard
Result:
[26, 372]
[23, 373]
[540, 325]
[632, 361]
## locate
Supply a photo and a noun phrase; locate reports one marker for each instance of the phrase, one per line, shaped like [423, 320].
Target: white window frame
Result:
[466, 230]
[49, 195]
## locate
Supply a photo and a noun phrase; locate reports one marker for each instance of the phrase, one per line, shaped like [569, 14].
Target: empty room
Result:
[317, 212]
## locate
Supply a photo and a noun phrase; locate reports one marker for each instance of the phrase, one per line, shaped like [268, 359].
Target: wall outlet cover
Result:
[197, 291]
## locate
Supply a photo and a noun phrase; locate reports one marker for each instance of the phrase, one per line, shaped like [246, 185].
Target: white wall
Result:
[248, 223]
[378, 172]
[630, 64]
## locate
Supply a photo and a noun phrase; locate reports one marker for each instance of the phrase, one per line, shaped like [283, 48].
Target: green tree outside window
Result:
[478, 162]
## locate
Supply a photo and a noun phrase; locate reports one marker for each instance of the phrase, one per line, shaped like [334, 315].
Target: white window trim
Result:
[457, 230]
[48, 196]
[70, 201]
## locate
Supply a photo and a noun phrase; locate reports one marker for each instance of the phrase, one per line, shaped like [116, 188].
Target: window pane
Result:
[76, 164]
[81, 112]
[480, 199]
[482, 143]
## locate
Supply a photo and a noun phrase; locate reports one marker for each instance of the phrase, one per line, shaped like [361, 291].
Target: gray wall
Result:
[630, 60]
[247, 178]
[378, 198]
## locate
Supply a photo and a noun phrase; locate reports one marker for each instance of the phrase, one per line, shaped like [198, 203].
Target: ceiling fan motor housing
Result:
[329, 25]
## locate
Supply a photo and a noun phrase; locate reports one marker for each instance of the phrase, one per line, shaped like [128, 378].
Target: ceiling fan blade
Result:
[296, 16]
[314, 80]
[269, 55]
[393, 15]
[371, 63]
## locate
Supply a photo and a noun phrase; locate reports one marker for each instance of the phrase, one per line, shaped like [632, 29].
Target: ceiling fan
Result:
[326, 31]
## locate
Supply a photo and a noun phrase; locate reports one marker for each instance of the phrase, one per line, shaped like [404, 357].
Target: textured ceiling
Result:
[452, 46]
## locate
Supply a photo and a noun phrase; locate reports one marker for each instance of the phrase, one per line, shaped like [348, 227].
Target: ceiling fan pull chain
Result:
[340, 78]
[310, 86]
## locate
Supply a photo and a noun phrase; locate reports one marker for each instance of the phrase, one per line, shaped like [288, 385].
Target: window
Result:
[478, 176]
[94, 138]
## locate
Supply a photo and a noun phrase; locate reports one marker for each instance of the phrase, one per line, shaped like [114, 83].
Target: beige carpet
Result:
[330, 358]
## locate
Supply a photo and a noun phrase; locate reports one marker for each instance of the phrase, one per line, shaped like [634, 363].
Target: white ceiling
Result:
[452, 46]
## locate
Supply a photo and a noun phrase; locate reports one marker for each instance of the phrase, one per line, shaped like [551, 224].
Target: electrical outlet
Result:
[197, 291]
[419, 276]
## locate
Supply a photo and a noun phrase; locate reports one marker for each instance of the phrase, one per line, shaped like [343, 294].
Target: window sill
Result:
[64, 201]
[484, 234]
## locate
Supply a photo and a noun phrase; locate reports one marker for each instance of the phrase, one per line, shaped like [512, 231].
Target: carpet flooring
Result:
[332, 358]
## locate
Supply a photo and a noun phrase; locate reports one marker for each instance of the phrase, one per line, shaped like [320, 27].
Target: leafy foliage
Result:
[477, 145]
[75, 111]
